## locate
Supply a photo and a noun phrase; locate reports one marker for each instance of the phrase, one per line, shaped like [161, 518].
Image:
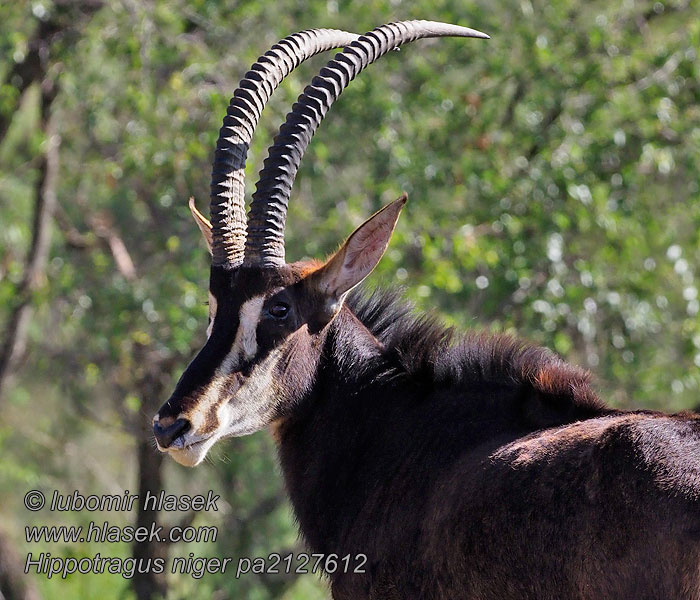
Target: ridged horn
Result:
[268, 212]
[227, 205]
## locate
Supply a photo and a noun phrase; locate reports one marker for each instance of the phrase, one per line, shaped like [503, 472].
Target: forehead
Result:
[243, 283]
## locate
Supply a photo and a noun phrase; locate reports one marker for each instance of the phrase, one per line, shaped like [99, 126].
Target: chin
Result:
[191, 456]
[188, 458]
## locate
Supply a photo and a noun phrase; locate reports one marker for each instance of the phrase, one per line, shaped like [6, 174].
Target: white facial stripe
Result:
[212, 313]
[248, 323]
[245, 345]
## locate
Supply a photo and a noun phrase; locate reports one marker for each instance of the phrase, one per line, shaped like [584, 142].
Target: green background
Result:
[553, 178]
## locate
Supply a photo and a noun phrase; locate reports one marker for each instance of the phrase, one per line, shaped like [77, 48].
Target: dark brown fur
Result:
[485, 468]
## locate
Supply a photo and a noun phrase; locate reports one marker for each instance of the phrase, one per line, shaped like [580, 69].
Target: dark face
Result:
[259, 357]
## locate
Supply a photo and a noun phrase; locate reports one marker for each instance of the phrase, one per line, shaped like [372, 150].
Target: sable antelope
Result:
[469, 466]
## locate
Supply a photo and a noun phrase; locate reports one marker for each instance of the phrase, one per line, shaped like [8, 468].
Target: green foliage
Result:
[553, 180]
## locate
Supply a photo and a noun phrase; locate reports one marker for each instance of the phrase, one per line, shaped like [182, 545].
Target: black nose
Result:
[166, 435]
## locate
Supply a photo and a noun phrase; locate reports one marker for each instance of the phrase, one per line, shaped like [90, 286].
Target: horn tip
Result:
[438, 29]
[475, 33]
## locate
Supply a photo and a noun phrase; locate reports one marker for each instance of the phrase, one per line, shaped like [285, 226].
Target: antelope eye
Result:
[279, 310]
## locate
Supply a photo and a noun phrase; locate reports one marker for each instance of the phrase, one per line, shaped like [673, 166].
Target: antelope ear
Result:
[360, 253]
[203, 224]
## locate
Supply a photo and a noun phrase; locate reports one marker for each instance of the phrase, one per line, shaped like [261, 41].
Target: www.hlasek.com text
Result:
[112, 534]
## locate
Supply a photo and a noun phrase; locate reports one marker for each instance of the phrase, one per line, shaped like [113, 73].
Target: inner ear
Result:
[358, 256]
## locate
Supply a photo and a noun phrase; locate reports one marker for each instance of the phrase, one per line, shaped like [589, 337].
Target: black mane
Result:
[422, 347]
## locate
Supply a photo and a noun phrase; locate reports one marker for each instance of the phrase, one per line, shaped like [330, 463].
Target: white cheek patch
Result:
[261, 383]
[257, 398]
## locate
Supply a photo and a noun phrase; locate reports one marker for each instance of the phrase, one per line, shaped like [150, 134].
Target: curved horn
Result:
[227, 206]
[268, 212]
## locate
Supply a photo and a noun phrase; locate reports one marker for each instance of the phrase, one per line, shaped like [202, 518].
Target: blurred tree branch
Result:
[14, 344]
[63, 24]
[150, 385]
[101, 225]
[148, 585]
[103, 228]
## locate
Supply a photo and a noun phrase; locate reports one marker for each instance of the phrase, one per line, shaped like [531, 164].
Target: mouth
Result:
[194, 444]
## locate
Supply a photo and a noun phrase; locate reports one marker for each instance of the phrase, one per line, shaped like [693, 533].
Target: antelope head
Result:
[268, 318]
